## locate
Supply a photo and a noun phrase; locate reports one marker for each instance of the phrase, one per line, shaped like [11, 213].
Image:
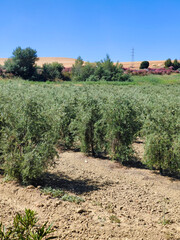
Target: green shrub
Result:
[162, 153]
[176, 64]
[162, 149]
[66, 114]
[104, 70]
[81, 71]
[2, 125]
[88, 125]
[66, 76]
[22, 63]
[28, 143]
[52, 71]
[77, 69]
[122, 125]
[144, 65]
[168, 63]
[25, 227]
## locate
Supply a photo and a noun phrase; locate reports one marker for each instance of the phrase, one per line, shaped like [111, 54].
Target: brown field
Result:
[152, 64]
[68, 62]
[120, 203]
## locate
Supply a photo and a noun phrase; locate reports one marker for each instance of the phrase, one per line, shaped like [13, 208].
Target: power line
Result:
[132, 57]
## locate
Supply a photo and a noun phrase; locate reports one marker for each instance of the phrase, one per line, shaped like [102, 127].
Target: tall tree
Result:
[22, 63]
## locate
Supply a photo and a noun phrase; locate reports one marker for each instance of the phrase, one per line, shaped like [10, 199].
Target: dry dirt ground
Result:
[119, 202]
[68, 62]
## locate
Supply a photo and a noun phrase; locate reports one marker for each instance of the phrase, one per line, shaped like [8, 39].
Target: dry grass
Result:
[68, 62]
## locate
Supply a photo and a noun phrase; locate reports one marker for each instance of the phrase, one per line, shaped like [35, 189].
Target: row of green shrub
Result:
[36, 119]
[34, 123]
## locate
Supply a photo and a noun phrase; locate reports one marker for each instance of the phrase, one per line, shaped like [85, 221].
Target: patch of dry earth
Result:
[120, 202]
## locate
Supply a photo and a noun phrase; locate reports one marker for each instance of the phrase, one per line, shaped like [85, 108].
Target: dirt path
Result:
[120, 202]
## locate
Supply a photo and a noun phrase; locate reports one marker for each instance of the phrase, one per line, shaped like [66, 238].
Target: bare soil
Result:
[120, 202]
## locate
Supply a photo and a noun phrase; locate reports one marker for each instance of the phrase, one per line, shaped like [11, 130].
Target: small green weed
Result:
[164, 221]
[114, 218]
[71, 198]
[110, 208]
[57, 193]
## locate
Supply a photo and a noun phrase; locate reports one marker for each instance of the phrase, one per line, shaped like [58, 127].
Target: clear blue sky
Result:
[92, 28]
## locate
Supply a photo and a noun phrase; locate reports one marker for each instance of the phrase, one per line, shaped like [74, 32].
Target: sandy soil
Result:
[120, 202]
[68, 62]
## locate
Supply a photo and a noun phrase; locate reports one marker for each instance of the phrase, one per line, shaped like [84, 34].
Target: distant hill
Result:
[68, 62]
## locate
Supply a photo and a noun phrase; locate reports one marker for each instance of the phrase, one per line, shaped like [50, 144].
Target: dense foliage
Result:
[150, 71]
[22, 63]
[175, 65]
[52, 71]
[144, 65]
[168, 63]
[104, 70]
[99, 120]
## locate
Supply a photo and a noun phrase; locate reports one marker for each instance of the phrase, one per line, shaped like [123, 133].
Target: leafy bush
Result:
[163, 153]
[52, 71]
[176, 64]
[107, 71]
[26, 227]
[168, 63]
[87, 125]
[66, 76]
[84, 73]
[77, 69]
[67, 113]
[122, 125]
[162, 129]
[104, 70]
[27, 142]
[22, 63]
[144, 64]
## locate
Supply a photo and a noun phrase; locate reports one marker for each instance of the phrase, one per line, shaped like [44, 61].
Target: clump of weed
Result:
[71, 198]
[114, 218]
[57, 193]
[25, 227]
[164, 220]
[110, 208]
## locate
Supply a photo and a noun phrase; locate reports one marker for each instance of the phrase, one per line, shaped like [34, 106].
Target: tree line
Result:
[23, 64]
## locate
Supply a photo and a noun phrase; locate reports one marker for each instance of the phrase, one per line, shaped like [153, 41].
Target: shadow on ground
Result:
[134, 162]
[64, 182]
